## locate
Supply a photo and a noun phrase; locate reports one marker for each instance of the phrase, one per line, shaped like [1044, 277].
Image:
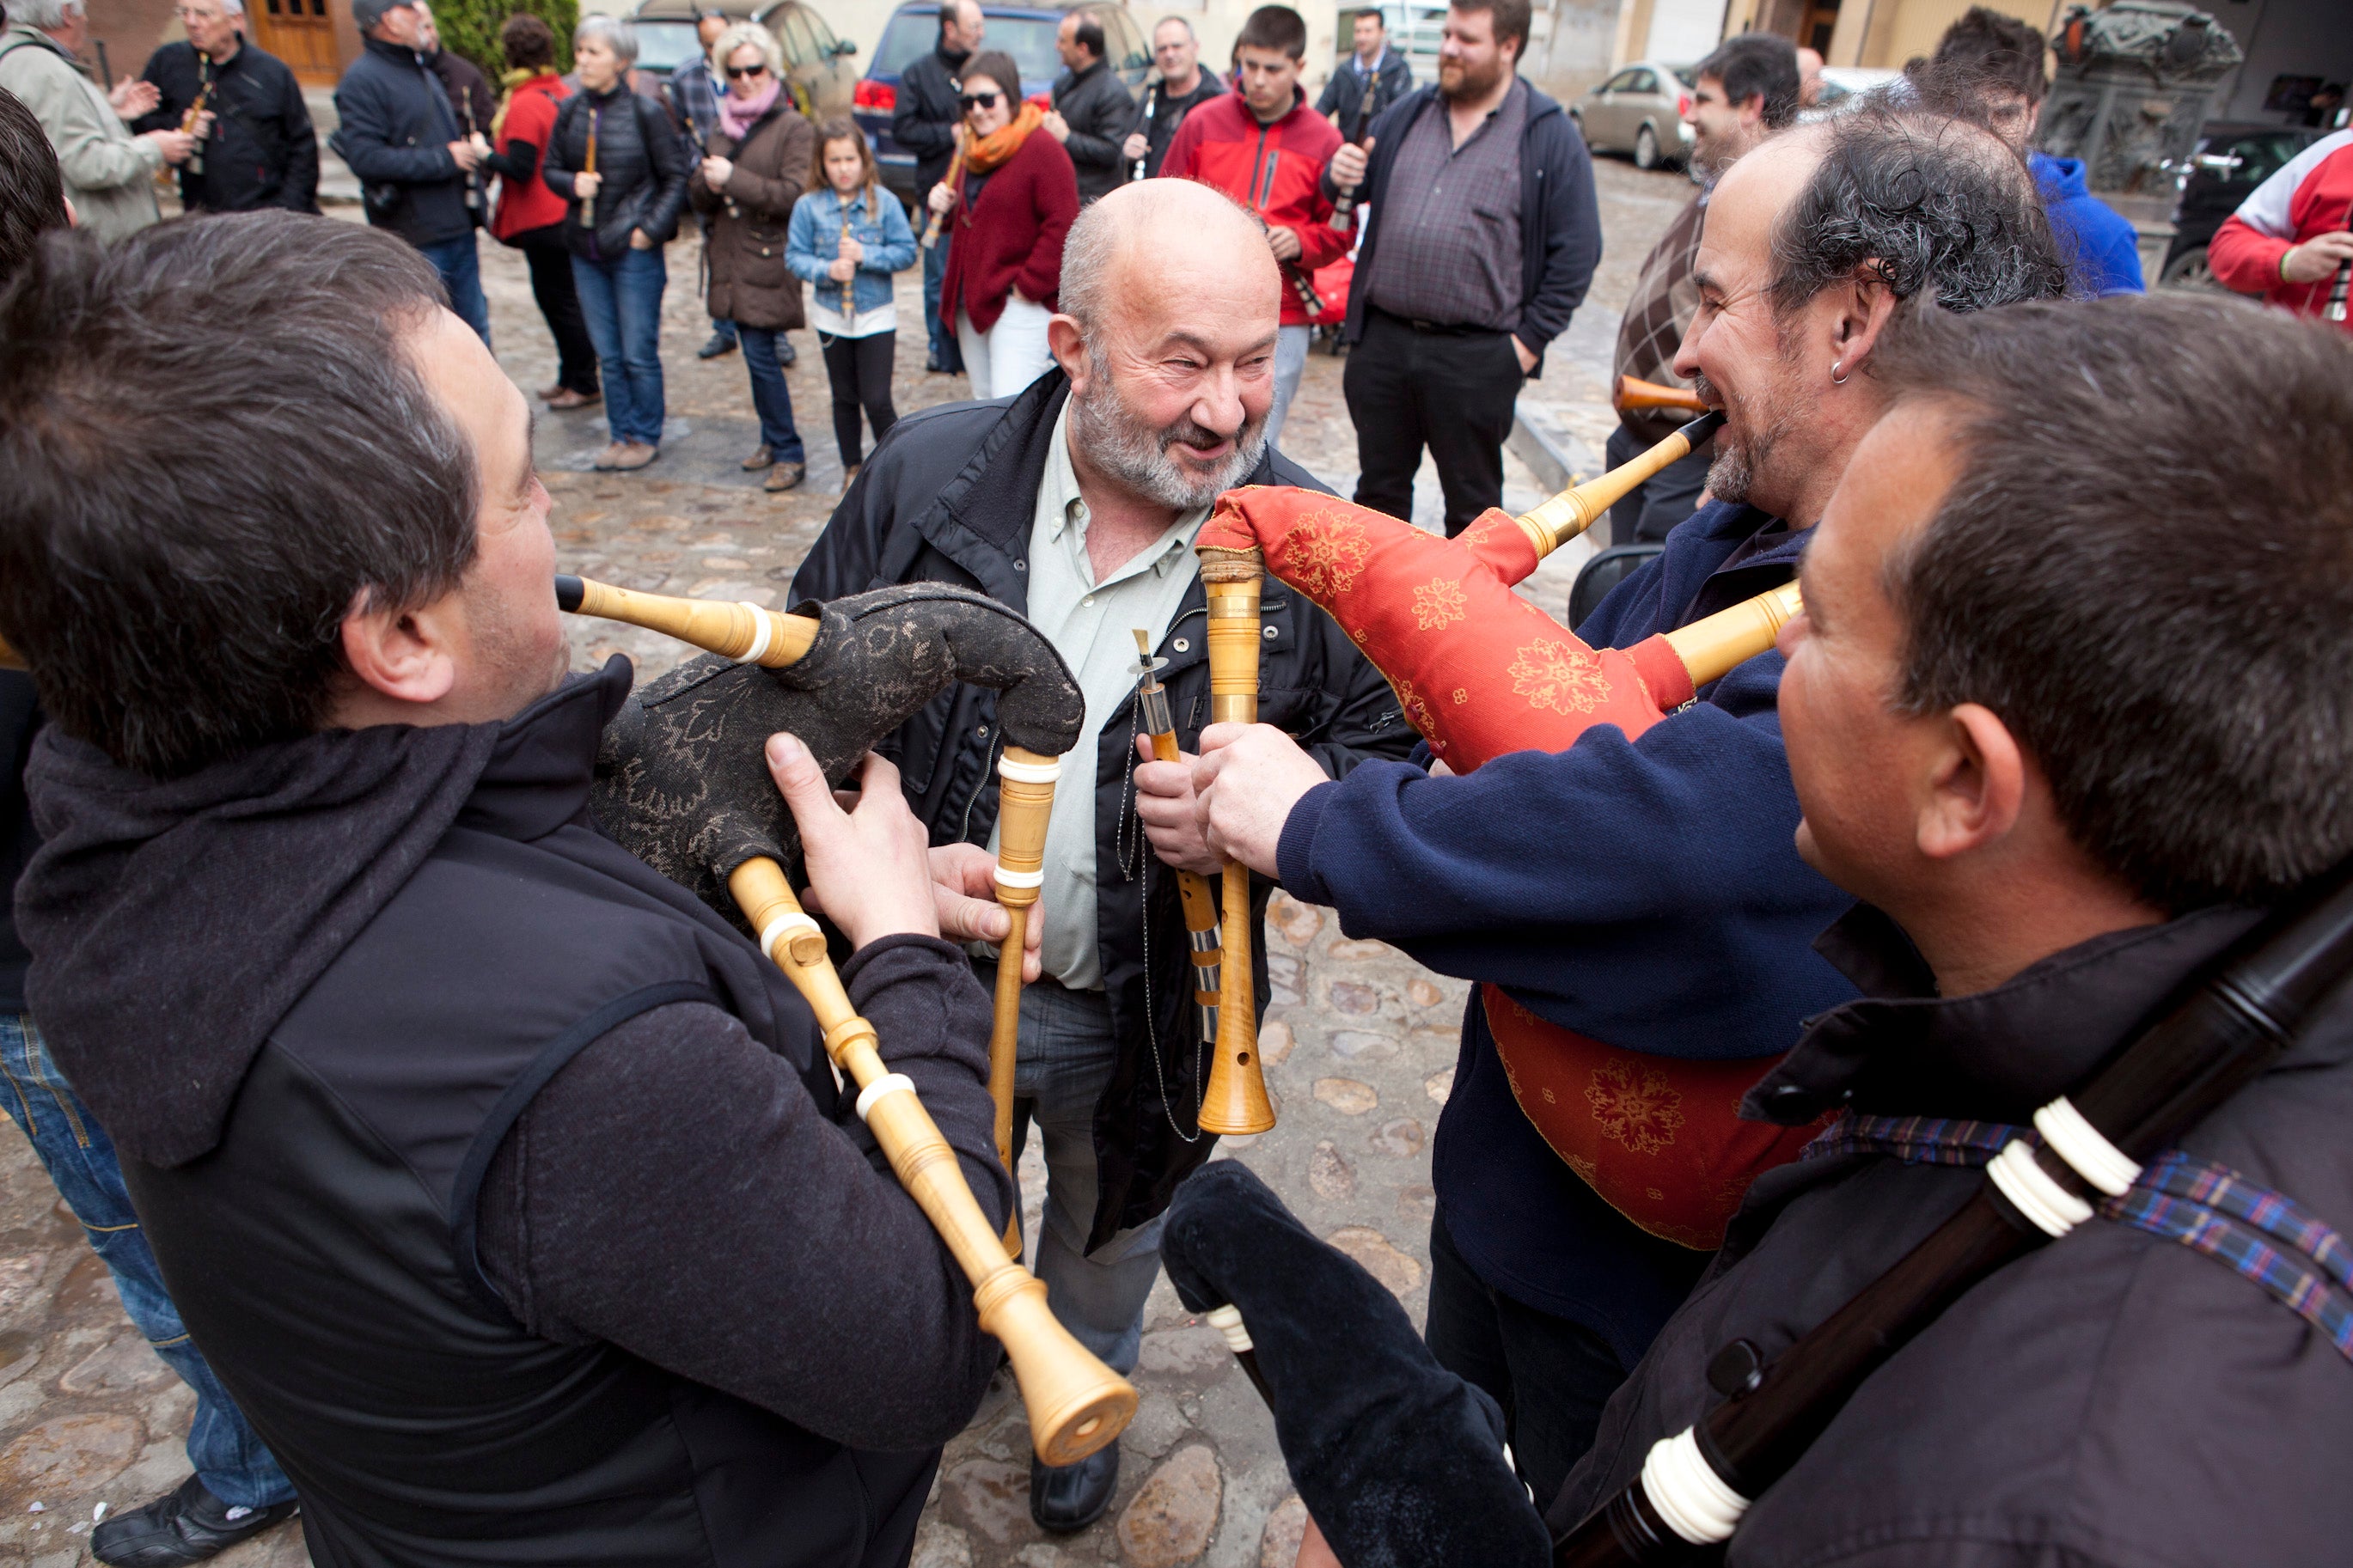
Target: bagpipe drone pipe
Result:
[682, 780]
[1481, 672]
[1400, 1462]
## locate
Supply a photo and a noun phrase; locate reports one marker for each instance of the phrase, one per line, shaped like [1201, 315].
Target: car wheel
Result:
[2190, 269]
[1646, 148]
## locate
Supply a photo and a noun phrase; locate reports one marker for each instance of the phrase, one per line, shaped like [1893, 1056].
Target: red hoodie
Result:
[1276, 171]
[2311, 195]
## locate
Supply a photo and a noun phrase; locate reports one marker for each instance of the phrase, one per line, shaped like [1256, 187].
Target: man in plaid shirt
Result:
[1748, 89]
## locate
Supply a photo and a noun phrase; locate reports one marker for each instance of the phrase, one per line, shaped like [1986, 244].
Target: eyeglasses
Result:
[972, 101]
[737, 73]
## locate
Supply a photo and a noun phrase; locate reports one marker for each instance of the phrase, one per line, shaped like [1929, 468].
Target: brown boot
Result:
[635, 455]
[760, 458]
[784, 476]
[610, 458]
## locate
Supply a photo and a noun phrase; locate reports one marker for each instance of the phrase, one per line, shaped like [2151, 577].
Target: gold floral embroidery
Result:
[1437, 602]
[1461, 695]
[1642, 1115]
[1417, 712]
[1563, 676]
[1323, 554]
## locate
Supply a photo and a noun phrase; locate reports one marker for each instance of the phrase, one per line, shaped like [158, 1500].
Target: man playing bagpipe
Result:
[2065, 709]
[506, 1186]
[1638, 901]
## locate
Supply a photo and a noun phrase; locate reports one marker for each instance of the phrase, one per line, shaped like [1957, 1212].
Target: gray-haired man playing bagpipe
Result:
[2072, 762]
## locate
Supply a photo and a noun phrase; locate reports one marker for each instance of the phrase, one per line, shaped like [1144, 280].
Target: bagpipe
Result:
[1481, 672]
[682, 782]
[1400, 1462]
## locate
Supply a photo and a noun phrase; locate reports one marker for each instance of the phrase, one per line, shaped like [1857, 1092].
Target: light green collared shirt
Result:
[1091, 625]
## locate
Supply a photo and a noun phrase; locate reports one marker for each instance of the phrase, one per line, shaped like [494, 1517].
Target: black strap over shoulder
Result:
[466, 1194]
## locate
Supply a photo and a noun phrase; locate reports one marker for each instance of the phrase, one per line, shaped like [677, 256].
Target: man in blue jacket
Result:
[1485, 235]
[401, 138]
[1645, 893]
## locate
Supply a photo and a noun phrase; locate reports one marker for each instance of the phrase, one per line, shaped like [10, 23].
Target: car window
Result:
[1644, 81]
[1029, 40]
[2265, 156]
[906, 40]
[1620, 82]
[1688, 75]
[1126, 40]
[820, 32]
[665, 46]
[790, 23]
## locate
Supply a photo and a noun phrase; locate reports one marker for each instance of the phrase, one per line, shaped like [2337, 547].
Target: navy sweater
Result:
[1645, 893]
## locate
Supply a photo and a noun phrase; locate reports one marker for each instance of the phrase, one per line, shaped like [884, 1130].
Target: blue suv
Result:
[1025, 32]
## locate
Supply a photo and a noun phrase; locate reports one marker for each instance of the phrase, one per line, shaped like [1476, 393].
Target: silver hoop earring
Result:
[1836, 366]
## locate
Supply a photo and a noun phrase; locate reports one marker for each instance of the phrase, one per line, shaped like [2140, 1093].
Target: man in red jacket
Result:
[1266, 149]
[2287, 241]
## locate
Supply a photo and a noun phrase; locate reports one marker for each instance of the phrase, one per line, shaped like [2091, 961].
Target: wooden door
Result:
[299, 32]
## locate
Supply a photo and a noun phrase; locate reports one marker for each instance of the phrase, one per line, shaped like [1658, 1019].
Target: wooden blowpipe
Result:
[1235, 1100]
[1025, 804]
[1578, 508]
[1634, 393]
[1192, 887]
[742, 632]
[1076, 1403]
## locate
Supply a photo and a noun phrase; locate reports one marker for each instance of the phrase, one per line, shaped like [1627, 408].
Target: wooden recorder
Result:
[1235, 1100]
[1634, 393]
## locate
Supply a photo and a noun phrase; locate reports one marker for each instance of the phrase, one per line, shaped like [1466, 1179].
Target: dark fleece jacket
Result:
[174, 924]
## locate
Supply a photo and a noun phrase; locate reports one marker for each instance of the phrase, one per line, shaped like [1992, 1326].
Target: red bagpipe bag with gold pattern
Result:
[1481, 672]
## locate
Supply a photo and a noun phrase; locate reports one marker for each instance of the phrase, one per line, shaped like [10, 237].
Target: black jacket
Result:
[263, 151]
[641, 159]
[2113, 1398]
[1163, 114]
[396, 133]
[1100, 113]
[1560, 219]
[924, 122]
[506, 1186]
[1344, 95]
[952, 499]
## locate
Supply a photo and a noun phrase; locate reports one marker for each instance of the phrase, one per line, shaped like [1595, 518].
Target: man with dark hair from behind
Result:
[507, 1186]
[1745, 92]
[1645, 893]
[2063, 775]
[237, 1490]
[1989, 67]
[1093, 112]
[1484, 234]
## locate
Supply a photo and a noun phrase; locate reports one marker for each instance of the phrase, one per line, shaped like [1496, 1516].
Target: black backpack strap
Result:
[465, 1194]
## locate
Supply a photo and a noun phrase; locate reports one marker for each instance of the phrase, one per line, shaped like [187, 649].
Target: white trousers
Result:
[1010, 354]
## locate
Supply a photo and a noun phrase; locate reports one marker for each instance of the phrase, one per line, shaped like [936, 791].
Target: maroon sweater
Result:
[1011, 236]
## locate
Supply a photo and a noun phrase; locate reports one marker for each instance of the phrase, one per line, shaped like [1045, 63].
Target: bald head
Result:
[1170, 304]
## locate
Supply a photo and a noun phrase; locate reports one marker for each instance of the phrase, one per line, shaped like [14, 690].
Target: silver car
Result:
[1641, 109]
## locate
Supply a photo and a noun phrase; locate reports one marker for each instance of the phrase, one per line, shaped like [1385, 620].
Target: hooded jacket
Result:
[1275, 170]
[2113, 1398]
[950, 496]
[505, 1185]
[2102, 252]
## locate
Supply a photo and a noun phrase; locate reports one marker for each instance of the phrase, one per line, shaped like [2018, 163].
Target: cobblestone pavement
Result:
[1359, 1046]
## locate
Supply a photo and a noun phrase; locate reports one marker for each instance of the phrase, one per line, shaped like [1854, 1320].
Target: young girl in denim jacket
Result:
[848, 237]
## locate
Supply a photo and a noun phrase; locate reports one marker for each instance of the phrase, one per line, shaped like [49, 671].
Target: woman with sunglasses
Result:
[754, 169]
[1014, 198]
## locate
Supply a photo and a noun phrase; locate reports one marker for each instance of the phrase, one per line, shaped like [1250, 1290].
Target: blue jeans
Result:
[941, 334]
[1066, 1055]
[228, 1457]
[461, 274]
[771, 399]
[621, 301]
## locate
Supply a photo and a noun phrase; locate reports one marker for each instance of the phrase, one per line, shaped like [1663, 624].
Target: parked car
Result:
[816, 64]
[2222, 171]
[1025, 32]
[1840, 83]
[1641, 109]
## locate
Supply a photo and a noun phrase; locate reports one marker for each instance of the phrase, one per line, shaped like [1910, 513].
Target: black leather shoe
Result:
[184, 1526]
[719, 343]
[1064, 1498]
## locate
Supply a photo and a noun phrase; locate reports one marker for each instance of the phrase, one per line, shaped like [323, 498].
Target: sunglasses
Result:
[737, 73]
[972, 101]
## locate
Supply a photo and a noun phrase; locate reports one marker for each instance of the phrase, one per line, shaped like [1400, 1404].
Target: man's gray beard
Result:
[1134, 455]
[1733, 472]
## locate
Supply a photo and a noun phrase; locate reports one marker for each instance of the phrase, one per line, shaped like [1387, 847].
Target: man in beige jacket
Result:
[109, 174]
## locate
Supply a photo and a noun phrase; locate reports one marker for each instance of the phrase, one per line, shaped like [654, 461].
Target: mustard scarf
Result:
[512, 81]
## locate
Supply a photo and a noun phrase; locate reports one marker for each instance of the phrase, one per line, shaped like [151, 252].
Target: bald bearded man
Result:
[1646, 893]
[1077, 501]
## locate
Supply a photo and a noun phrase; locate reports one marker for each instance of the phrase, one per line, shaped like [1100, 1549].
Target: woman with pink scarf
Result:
[752, 171]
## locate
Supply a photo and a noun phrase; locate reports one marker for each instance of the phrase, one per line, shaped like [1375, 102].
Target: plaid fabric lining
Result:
[2298, 1258]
